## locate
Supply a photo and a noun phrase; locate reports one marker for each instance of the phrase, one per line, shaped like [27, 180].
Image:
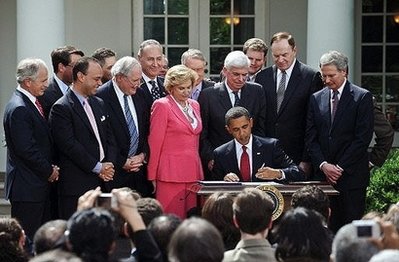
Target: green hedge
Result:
[384, 185]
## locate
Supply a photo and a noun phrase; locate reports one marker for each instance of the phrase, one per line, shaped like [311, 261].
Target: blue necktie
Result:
[134, 136]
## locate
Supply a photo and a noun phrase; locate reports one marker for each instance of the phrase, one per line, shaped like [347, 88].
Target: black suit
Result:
[122, 178]
[29, 163]
[343, 143]
[50, 96]
[265, 151]
[215, 102]
[289, 124]
[147, 93]
[78, 147]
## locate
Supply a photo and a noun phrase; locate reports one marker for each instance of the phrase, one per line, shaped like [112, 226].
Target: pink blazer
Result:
[174, 144]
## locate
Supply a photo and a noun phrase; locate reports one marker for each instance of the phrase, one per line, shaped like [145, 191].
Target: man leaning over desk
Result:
[250, 158]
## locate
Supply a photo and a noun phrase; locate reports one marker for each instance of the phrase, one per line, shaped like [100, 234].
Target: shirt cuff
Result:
[97, 168]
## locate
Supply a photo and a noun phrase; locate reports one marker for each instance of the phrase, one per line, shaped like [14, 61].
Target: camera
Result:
[367, 228]
[106, 200]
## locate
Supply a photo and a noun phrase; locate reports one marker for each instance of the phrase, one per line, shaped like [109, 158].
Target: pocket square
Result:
[102, 118]
[257, 153]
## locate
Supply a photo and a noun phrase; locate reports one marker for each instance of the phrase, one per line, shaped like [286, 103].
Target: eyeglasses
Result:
[324, 78]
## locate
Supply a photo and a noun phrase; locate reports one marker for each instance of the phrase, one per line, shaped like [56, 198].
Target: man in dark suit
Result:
[151, 60]
[256, 50]
[216, 101]
[81, 129]
[339, 131]
[63, 60]
[130, 165]
[107, 58]
[29, 149]
[267, 160]
[194, 59]
[288, 123]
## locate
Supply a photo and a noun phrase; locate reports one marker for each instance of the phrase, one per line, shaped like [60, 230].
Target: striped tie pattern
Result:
[236, 98]
[281, 90]
[134, 136]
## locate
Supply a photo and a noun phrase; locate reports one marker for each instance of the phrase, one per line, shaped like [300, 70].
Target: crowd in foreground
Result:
[131, 228]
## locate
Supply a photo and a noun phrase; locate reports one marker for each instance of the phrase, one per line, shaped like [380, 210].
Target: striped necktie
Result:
[134, 136]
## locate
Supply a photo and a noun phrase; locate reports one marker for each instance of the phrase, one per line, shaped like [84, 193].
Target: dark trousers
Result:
[349, 205]
[31, 215]
[67, 206]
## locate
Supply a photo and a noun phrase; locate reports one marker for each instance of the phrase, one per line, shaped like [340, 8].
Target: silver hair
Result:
[193, 54]
[28, 68]
[335, 58]
[124, 66]
[147, 43]
[236, 59]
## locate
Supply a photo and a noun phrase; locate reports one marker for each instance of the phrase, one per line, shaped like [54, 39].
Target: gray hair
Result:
[124, 66]
[236, 59]
[335, 58]
[147, 43]
[28, 68]
[193, 54]
[387, 255]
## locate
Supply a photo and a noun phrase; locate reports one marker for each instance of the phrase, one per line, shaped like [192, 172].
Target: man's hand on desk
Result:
[231, 177]
[268, 173]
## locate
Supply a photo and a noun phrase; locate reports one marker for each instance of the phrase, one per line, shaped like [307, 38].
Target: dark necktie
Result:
[39, 106]
[244, 165]
[236, 98]
[134, 137]
[281, 90]
[155, 92]
[335, 101]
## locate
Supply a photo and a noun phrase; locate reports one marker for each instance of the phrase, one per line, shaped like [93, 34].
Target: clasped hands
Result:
[134, 163]
[54, 175]
[107, 171]
[264, 173]
[332, 172]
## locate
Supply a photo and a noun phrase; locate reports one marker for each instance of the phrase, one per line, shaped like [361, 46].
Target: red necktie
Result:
[39, 106]
[244, 165]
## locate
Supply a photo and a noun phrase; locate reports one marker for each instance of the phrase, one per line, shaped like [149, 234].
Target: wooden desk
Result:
[206, 188]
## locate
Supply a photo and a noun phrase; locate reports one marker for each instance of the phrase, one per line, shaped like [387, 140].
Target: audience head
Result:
[301, 234]
[56, 255]
[127, 74]
[162, 229]
[235, 70]
[218, 209]
[12, 239]
[49, 236]
[256, 51]
[107, 58]
[388, 255]
[283, 50]
[91, 234]
[312, 197]
[63, 60]
[194, 59]
[32, 75]
[87, 75]
[253, 210]
[334, 69]
[393, 215]
[196, 240]
[151, 57]
[356, 250]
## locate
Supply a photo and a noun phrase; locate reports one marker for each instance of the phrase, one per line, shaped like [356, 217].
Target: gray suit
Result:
[251, 250]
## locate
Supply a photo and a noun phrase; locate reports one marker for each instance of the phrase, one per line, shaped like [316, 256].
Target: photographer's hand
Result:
[88, 199]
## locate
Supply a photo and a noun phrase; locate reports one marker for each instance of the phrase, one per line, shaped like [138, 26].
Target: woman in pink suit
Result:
[174, 164]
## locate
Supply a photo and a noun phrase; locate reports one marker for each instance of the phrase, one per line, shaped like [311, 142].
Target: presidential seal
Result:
[277, 198]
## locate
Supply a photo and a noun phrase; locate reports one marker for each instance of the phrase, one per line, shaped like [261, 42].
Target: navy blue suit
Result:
[78, 147]
[265, 151]
[29, 162]
[289, 124]
[122, 178]
[147, 94]
[344, 143]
